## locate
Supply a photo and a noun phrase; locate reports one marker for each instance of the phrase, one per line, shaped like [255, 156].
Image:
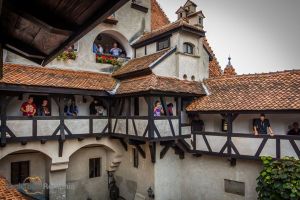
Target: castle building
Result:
[143, 102]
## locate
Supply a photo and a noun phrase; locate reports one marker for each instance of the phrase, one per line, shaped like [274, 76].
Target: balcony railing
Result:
[245, 146]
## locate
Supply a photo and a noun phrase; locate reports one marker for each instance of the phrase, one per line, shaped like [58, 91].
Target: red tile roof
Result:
[158, 16]
[138, 64]
[229, 71]
[255, 92]
[214, 69]
[169, 27]
[159, 84]
[48, 77]
[7, 192]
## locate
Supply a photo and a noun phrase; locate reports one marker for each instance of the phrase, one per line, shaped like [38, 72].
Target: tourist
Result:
[28, 108]
[262, 125]
[97, 49]
[71, 109]
[93, 107]
[170, 109]
[115, 51]
[43, 110]
[158, 110]
[101, 110]
[295, 130]
[197, 124]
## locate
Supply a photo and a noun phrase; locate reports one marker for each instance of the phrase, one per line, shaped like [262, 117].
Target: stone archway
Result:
[26, 167]
[116, 36]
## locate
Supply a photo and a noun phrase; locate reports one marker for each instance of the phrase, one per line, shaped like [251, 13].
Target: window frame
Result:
[168, 42]
[186, 47]
[18, 173]
[94, 170]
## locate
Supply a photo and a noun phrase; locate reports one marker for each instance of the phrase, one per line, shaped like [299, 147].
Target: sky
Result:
[259, 35]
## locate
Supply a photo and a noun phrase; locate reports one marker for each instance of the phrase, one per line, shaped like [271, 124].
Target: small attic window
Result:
[200, 20]
[193, 78]
[163, 44]
[188, 48]
[184, 76]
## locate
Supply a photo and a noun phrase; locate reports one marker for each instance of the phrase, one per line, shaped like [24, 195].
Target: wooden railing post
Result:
[178, 109]
[278, 149]
[1, 55]
[229, 119]
[3, 120]
[61, 118]
[150, 117]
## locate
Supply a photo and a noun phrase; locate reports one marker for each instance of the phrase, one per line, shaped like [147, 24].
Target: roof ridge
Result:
[255, 74]
[53, 68]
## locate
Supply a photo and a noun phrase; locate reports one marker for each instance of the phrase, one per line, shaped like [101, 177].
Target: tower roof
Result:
[229, 69]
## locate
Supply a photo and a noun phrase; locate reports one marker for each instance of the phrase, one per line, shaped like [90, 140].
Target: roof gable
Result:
[139, 65]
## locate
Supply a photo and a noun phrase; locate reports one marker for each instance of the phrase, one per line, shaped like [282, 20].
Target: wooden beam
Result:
[48, 25]
[106, 10]
[140, 150]
[61, 118]
[151, 124]
[60, 148]
[152, 147]
[164, 151]
[1, 57]
[3, 120]
[123, 143]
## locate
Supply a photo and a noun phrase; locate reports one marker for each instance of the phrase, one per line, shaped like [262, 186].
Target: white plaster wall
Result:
[164, 127]
[83, 187]
[151, 48]
[167, 67]
[139, 52]
[135, 180]
[167, 176]
[202, 178]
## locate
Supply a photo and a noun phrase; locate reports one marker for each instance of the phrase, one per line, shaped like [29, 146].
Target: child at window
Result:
[158, 110]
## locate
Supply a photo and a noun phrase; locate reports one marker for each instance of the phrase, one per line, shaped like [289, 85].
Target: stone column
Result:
[58, 181]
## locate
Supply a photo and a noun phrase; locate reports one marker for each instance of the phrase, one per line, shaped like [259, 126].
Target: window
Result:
[224, 125]
[135, 158]
[95, 167]
[19, 172]
[184, 76]
[193, 78]
[188, 48]
[200, 20]
[163, 44]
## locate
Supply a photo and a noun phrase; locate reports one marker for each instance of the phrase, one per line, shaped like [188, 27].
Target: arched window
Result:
[193, 78]
[184, 76]
[188, 48]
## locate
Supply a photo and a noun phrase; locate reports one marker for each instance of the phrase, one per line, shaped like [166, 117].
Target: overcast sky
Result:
[260, 35]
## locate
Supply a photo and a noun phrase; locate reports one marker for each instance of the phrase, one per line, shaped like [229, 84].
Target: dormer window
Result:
[163, 44]
[188, 48]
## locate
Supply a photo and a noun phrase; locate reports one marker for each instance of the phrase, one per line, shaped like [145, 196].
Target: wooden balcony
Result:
[245, 146]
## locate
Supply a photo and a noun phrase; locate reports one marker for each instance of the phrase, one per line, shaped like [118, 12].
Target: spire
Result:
[229, 69]
[229, 61]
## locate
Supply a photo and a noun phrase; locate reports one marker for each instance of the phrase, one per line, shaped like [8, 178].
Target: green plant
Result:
[279, 179]
[66, 55]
